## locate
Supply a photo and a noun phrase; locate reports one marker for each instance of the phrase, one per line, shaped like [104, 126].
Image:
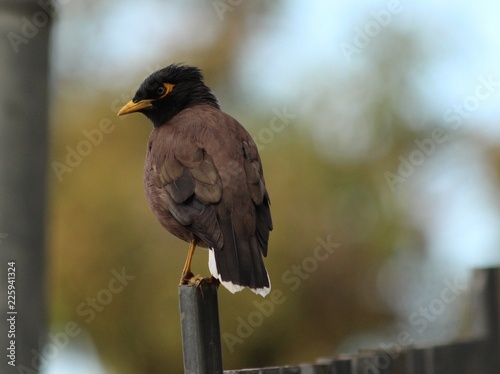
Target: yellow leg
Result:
[186, 272]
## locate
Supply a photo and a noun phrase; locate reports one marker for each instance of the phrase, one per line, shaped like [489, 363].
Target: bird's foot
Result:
[186, 279]
[196, 280]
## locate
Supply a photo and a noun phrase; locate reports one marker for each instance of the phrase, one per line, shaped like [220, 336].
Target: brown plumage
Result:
[203, 177]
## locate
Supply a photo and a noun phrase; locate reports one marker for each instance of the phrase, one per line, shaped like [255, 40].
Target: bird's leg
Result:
[188, 278]
[187, 275]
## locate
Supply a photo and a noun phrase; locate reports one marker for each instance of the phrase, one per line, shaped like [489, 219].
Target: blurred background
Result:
[378, 127]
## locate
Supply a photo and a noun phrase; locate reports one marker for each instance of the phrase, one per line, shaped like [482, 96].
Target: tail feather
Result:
[239, 264]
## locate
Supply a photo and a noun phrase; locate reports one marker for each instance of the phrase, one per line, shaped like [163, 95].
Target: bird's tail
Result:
[239, 264]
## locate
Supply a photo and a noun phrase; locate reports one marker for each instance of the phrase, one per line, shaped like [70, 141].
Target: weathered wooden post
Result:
[201, 344]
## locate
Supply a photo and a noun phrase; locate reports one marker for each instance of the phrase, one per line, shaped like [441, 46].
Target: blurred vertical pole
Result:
[492, 315]
[485, 317]
[24, 38]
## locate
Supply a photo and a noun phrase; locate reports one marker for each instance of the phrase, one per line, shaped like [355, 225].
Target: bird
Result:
[203, 178]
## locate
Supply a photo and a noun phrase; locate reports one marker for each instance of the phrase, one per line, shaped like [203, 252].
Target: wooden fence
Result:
[477, 354]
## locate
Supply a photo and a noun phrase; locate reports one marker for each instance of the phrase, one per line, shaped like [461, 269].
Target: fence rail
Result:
[478, 354]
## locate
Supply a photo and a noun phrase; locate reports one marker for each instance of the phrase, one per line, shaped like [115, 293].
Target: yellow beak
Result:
[132, 107]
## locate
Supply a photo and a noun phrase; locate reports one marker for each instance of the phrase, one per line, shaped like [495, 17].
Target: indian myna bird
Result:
[203, 178]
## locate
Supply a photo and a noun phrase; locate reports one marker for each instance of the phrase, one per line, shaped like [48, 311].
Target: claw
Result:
[186, 279]
[197, 280]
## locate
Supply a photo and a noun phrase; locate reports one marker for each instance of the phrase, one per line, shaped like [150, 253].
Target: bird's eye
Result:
[160, 90]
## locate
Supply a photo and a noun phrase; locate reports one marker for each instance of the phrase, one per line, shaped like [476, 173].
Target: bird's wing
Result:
[258, 193]
[243, 214]
[190, 185]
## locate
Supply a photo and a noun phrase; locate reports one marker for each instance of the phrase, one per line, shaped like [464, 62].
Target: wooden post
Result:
[201, 344]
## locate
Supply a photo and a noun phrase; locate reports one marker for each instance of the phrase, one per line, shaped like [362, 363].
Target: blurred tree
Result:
[325, 173]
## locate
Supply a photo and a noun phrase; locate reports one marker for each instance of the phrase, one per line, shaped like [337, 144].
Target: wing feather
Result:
[190, 186]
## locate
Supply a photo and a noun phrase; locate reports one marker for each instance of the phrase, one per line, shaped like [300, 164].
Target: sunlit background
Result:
[378, 126]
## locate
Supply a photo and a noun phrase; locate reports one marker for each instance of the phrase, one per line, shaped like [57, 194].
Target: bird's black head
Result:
[168, 91]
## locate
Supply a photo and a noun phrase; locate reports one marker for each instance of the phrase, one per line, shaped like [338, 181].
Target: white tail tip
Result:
[231, 287]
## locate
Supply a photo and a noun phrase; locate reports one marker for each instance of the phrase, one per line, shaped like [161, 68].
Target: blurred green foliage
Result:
[321, 189]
